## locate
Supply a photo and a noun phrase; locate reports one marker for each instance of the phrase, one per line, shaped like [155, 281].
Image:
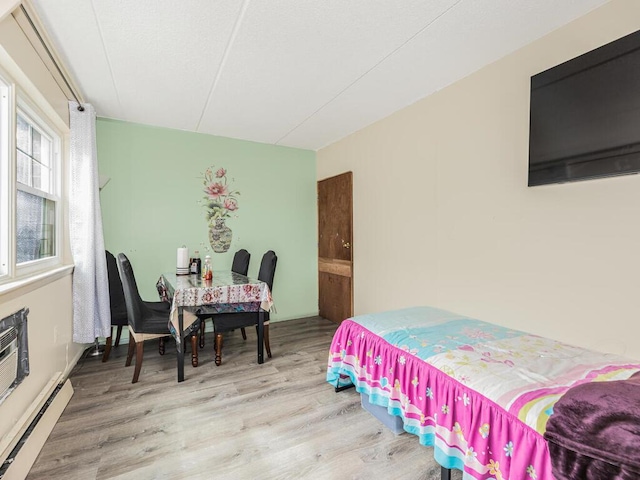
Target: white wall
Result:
[443, 215]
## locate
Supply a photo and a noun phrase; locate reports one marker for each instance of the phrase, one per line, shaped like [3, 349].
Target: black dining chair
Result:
[241, 262]
[118, 306]
[147, 320]
[239, 265]
[225, 322]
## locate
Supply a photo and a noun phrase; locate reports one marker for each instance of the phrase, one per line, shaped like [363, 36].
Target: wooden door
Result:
[335, 247]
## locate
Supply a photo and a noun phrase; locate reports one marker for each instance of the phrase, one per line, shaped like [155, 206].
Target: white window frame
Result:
[13, 102]
[7, 144]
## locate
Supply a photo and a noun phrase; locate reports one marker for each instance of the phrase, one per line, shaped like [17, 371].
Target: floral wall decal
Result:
[221, 200]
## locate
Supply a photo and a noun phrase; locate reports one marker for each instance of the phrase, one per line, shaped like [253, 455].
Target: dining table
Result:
[226, 292]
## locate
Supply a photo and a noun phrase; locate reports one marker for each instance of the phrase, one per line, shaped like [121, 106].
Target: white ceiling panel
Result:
[77, 39]
[469, 36]
[302, 73]
[272, 81]
[164, 55]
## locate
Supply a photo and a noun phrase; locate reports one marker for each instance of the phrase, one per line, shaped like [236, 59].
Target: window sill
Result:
[33, 282]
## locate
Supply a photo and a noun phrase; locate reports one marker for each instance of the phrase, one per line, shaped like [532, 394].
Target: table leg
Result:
[179, 344]
[202, 329]
[261, 336]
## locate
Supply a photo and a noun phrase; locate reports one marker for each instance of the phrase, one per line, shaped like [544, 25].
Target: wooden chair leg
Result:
[244, 334]
[161, 346]
[265, 335]
[132, 347]
[118, 335]
[202, 330]
[194, 349]
[218, 349]
[107, 349]
[139, 353]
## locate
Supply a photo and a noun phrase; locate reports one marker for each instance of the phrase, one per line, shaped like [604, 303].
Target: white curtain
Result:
[91, 307]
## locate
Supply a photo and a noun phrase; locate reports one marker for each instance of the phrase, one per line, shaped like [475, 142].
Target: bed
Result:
[480, 394]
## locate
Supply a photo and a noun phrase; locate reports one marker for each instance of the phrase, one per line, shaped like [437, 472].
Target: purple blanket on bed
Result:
[594, 432]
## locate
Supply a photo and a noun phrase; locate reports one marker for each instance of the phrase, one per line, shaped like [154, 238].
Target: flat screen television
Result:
[585, 116]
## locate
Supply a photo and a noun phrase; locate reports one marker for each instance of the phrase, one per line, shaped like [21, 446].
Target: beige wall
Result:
[51, 350]
[443, 215]
[21, 61]
[6, 7]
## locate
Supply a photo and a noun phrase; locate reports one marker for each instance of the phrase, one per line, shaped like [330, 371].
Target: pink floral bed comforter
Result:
[480, 394]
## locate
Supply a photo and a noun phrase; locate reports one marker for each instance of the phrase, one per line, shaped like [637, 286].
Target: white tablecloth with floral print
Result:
[226, 292]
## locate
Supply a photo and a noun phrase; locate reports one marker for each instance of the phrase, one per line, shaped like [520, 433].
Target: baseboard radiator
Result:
[35, 430]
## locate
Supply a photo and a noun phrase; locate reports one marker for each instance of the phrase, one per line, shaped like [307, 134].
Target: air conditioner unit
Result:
[8, 360]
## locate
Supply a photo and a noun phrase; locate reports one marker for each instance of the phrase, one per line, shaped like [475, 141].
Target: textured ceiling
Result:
[302, 73]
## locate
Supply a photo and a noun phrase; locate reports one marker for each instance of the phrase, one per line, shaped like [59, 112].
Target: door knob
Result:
[346, 245]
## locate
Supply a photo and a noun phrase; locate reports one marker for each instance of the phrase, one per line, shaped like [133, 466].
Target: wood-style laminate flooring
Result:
[278, 420]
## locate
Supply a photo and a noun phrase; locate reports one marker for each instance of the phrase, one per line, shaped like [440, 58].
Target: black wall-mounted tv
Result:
[585, 116]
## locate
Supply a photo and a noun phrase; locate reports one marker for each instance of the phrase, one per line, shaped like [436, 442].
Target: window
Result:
[35, 193]
[29, 187]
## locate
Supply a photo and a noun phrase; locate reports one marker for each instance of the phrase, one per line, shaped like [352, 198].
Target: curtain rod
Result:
[80, 107]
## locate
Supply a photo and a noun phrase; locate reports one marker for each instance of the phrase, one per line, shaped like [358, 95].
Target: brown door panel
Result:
[334, 217]
[334, 288]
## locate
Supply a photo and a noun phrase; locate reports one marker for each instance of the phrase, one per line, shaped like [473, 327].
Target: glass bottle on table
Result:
[207, 273]
[196, 264]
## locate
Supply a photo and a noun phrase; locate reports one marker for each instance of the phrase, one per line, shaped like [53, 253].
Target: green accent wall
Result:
[152, 205]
